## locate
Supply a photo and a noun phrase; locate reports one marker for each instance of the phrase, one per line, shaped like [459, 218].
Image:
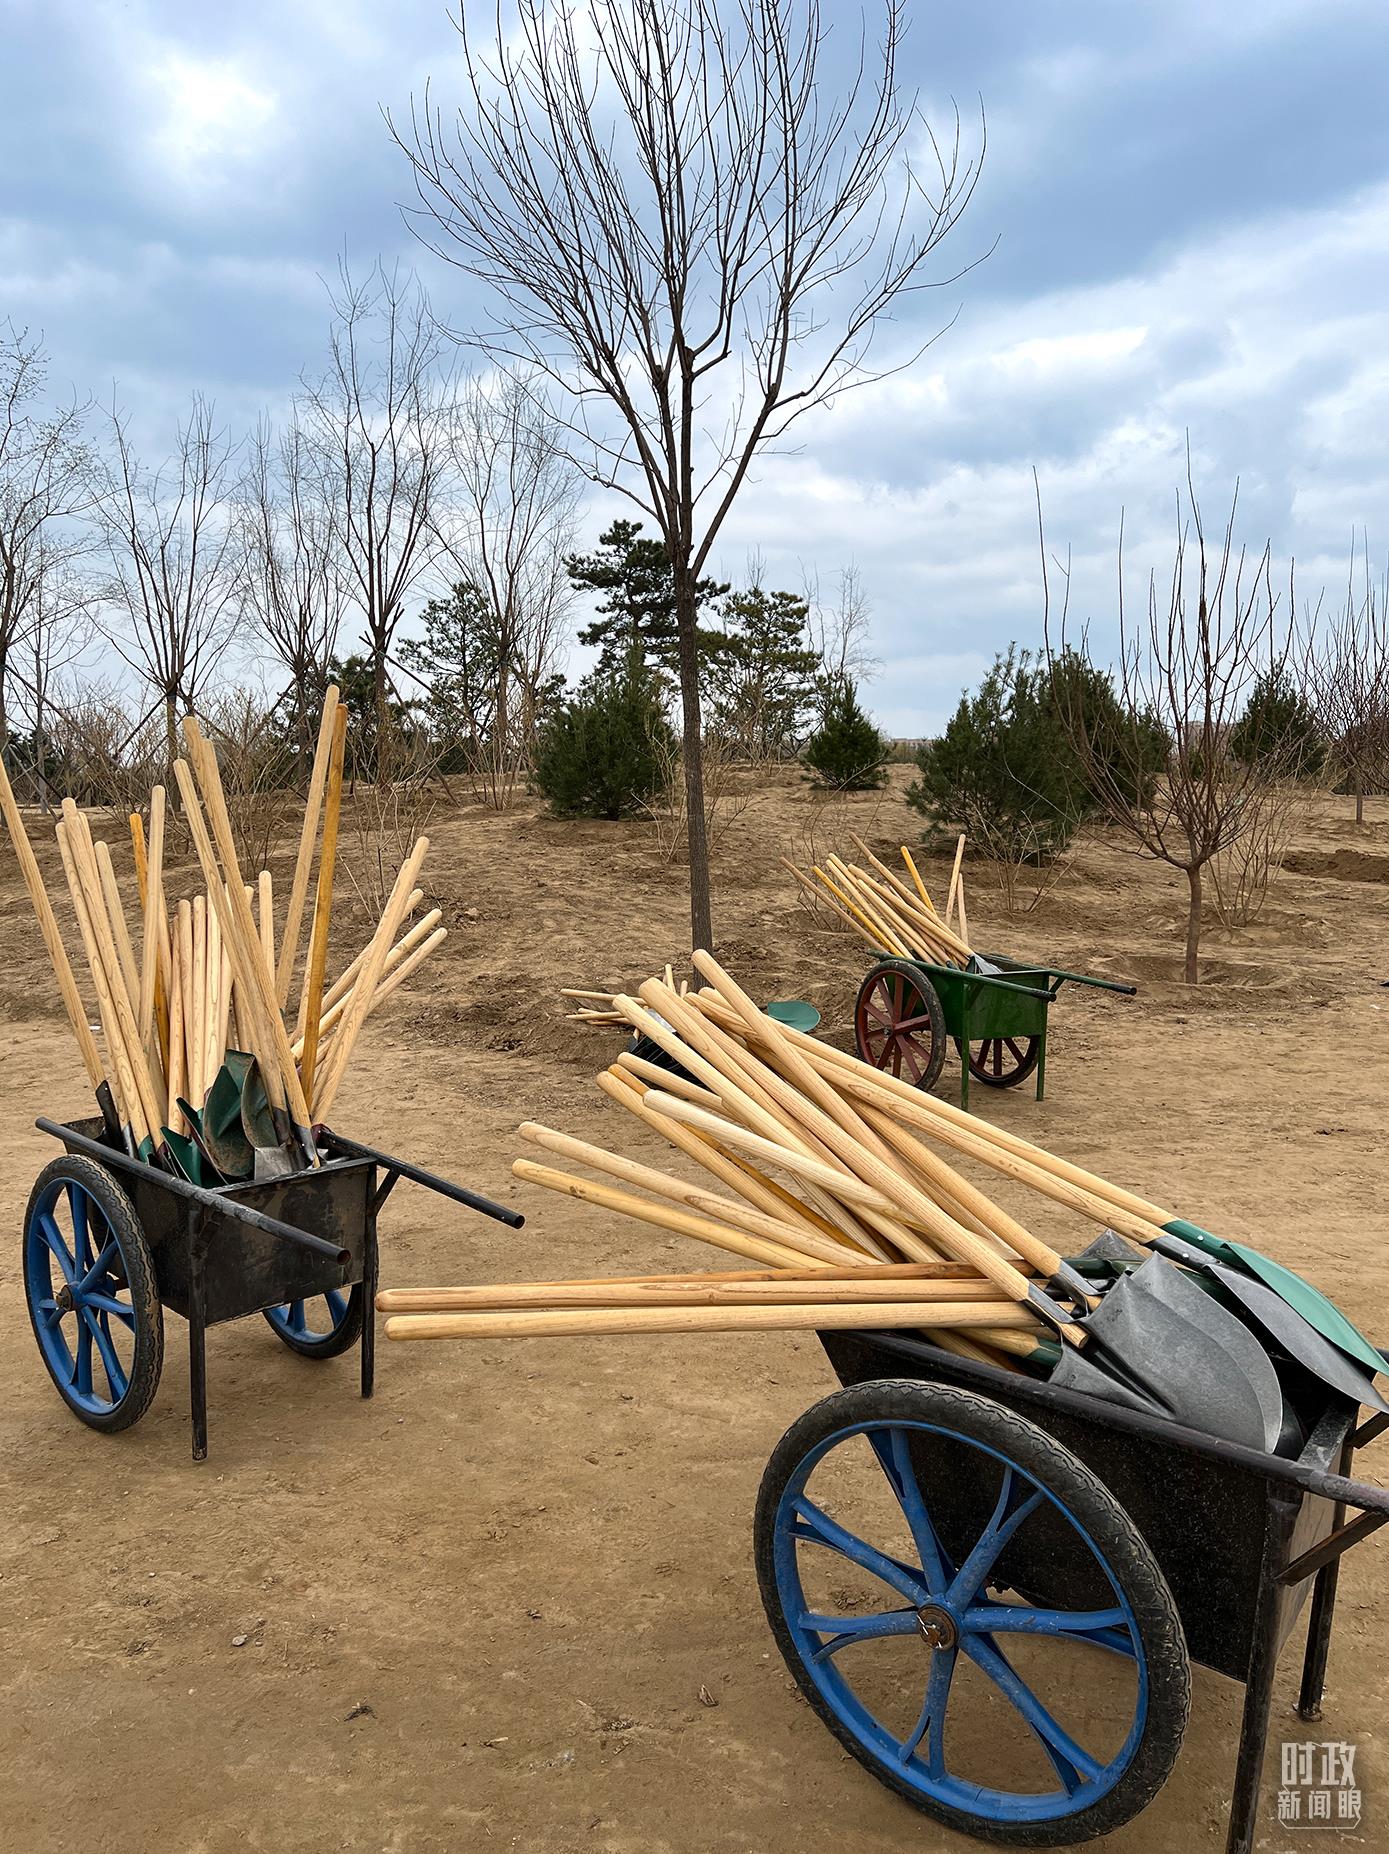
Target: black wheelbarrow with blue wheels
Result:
[110, 1242]
[994, 1010]
[992, 1592]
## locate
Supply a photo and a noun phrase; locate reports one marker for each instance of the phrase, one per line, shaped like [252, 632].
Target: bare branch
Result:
[171, 542]
[1161, 761]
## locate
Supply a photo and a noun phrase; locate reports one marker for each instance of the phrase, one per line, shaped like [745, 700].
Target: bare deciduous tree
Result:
[838, 633]
[378, 422]
[292, 563]
[171, 540]
[519, 498]
[692, 228]
[43, 483]
[1348, 679]
[57, 629]
[1159, 762]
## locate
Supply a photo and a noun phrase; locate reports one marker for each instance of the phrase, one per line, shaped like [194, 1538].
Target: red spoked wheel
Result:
[899, 1025]
[1003, 1061]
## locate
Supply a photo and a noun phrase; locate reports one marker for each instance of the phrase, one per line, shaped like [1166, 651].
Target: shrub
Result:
[1278, 729]
[605, 752]
[1003, 770]
[1127, 750]
[1006, 770]
[846, 752]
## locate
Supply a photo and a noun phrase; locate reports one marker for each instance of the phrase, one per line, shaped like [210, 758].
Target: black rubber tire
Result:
[1028, 1065]
[1114, 1535]
[332, 1345]
[147, 1362]
[926, 993]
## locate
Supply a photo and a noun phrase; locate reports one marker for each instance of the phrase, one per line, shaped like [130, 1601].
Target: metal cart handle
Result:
[1100, 984]
[1003, 983]
[198, 1194]
[353, 1149]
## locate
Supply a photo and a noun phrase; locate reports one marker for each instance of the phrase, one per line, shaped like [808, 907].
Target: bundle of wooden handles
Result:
[894, 916]
[212, 972]
[818, 1169]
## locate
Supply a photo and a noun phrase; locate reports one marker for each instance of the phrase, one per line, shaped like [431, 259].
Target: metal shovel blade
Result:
[1310, 1302]
[1286, 1325]
[272, 1162]
[257, 1119]
[185, 1154]
[222, 1129]
[211, 1176]
[1160, 1343]
[268, 1133]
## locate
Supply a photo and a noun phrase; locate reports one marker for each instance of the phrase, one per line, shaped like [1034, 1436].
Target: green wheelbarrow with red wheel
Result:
[994, 1010]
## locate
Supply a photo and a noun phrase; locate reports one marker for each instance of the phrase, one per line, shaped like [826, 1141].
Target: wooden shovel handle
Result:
[52, 938]
[303, 862]
[323, 908]
[620, 1322]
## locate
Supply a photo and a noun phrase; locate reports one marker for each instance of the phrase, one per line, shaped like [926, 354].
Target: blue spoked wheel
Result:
[90, 1286]
[322, 1327]
[971, 1613]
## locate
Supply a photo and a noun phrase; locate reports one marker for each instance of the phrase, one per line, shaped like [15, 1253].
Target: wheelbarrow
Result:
[991, 1591]
[110, 1242]
[994, 1009]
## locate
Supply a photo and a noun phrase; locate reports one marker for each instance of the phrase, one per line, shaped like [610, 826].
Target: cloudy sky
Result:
[1189, 204]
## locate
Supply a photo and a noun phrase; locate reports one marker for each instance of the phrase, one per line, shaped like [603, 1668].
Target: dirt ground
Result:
[493, 1605]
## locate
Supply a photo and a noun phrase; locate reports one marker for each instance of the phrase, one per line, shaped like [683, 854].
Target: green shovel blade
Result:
[222, 1110]
[257, 1120]
[186, 1155]
[1310, 1302]
[795, 1013]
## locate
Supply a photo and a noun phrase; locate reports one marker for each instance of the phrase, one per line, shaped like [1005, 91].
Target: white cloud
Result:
[1265, 342]
[210, 119]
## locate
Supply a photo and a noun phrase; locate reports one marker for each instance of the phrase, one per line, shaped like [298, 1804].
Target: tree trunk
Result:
[501, 743]
[1193, 924]
[701, 915]
[40, 737]
[1359, 799]
[170, 730]
[379, 697]
[305, 727]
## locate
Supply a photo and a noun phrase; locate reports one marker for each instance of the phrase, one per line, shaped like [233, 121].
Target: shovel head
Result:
[257, 1119]
[1310, 1302]
[1287, 1326]
[222, 1129]
[1160, 1343]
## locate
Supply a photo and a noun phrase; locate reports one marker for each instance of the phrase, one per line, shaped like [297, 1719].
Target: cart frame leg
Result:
[197, 1339]
[1323, 1611]
[1258, 1686]
[1042, 1062]
[370, 1271]
[964, 1053]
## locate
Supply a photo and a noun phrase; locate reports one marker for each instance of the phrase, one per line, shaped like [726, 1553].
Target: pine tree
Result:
[1279, 729]
[846, 751]
[763, 685]
[1005, 769]
[638, 610]
[606, 751]
[456, 661]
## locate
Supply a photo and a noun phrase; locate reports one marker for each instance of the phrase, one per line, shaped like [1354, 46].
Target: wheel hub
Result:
[936, 1626]
[63, 1299]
